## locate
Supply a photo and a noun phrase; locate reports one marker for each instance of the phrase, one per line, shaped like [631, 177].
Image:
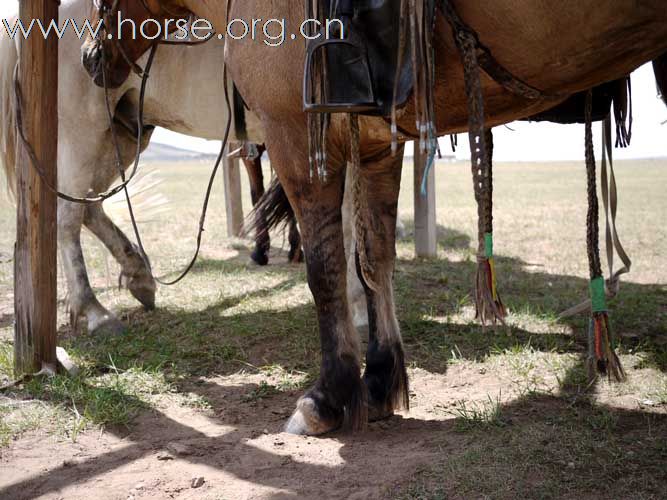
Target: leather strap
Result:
[609, 192]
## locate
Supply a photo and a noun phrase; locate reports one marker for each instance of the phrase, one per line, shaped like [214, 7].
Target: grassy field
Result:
[496, 413]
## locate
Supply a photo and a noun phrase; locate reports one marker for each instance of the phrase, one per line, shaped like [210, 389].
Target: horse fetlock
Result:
[386, 380]
[337, 400]
[97, 319]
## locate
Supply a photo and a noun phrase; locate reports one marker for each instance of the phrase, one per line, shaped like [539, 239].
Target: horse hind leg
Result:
[260, 255]
[356, 295]
[83, 305]
[134, 269]
[385, 374]
[295, 255]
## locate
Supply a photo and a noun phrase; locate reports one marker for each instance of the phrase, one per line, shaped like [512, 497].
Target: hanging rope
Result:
[601, 356]
[610, 203]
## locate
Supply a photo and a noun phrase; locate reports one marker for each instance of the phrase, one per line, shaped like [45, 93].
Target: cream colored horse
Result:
[188, 104]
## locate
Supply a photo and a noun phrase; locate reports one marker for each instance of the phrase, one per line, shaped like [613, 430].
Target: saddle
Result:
[615, 95]
[572, 109]
[358, 73]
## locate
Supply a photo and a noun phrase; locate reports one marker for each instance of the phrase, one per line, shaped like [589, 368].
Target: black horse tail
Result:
[660, 71]
[273, 210]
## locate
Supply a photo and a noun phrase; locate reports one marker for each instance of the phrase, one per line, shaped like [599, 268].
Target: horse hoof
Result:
[259, 258]
[111, 327]
[306, 421]
[376, 413]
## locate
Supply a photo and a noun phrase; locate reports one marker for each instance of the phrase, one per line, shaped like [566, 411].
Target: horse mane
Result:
[8, 60]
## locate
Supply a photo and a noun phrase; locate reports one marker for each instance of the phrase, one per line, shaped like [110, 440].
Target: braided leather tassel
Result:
[601, 356]
[488, 304]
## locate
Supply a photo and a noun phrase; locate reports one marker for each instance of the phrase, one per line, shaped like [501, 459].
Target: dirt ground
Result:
[190, 404]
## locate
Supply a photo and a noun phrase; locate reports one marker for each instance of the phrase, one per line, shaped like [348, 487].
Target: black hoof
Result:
[259, 258]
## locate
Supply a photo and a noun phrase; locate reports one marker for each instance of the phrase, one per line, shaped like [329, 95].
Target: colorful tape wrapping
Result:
[598, 297]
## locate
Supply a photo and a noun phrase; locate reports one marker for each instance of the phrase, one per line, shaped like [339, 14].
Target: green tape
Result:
[598, 297]
[488, 245]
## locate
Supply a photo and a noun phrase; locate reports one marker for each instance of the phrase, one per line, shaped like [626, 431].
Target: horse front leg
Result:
[260, 254]
[338, 397]
[385, 374]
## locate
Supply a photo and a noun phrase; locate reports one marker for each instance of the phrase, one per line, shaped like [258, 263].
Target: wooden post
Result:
[426, 242]
[233, 201]
[35, 265]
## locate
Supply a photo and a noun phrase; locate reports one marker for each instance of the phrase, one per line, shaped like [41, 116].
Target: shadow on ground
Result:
[537, 450]
[539, 446]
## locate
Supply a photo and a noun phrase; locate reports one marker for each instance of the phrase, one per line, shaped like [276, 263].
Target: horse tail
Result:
[660, 71]
[273, 207]
[8, 59]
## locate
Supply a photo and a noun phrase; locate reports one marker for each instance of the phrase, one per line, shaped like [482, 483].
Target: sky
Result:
[523, 141]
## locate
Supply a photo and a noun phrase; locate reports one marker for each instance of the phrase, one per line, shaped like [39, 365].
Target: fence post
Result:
[233, 201]
[35, 264]
[426, 242]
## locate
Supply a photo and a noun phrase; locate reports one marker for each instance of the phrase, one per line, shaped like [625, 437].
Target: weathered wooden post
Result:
[35, 271]
[426, 241]
[232, 179]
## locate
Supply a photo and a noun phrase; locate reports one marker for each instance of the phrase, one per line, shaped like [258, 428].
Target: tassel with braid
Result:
[359, 203]
[601, 356]
[488, 305]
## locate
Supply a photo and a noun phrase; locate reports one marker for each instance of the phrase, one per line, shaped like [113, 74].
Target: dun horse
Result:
[559, 48]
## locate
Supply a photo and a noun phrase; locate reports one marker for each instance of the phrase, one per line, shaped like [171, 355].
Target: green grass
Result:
[549, 436]
[477, 415]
